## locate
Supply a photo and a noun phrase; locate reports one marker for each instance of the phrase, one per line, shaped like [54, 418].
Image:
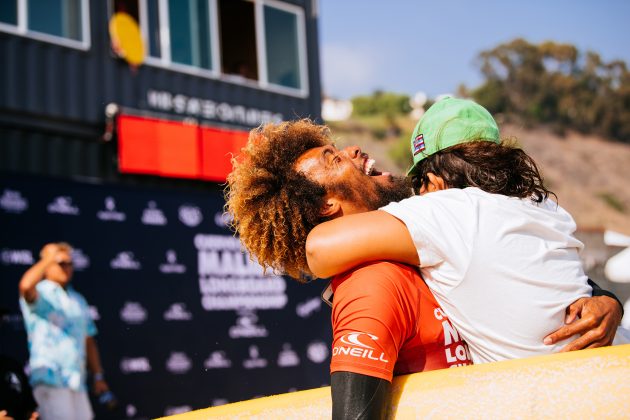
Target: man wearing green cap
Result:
[498, 255]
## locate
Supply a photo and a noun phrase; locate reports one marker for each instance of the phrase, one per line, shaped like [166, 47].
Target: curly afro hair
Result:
[272, 205]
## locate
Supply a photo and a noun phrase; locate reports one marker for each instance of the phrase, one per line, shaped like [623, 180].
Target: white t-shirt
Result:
[504, 269]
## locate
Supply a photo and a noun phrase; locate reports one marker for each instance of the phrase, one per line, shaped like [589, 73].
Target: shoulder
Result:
[375, 280]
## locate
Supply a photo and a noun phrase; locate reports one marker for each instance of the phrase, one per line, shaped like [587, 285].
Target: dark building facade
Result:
[117, 122]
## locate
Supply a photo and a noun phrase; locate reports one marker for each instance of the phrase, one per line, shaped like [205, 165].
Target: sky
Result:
[407, 46]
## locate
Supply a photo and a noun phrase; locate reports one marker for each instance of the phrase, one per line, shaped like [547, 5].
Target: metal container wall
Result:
[53, 99]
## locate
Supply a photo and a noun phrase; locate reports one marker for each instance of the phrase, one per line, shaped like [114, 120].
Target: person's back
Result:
[483, 255]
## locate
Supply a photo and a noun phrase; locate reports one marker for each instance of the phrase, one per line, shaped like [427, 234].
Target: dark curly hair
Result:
[272, 205]
[495, 168]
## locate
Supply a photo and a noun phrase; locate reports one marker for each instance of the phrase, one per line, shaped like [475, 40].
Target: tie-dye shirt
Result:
[57, 324]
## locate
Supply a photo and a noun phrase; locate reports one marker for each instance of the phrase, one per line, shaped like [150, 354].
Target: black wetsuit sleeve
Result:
[598, 291]
[356, 396]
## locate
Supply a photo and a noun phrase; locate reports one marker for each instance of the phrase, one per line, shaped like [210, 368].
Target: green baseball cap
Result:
[448, 122]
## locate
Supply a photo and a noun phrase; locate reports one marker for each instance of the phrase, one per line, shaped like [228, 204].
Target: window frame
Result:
[21, 29]
[165, 62]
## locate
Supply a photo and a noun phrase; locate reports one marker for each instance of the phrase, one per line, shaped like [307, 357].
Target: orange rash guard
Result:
[386, 322]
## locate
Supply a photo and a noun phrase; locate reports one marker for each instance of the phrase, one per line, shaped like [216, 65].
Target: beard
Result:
[399, 189]
[376, 195]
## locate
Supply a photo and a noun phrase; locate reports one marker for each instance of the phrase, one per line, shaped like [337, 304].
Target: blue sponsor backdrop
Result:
[185, 320]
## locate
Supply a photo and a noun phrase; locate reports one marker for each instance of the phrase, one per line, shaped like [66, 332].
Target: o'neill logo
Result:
[152, 215]
[63, 205]
[190, 215]
[133, 313]
[13, 202]
[355, 346]
[110, 213]
[217, 360]
[177, 312]
[125, 261]
[135, 364]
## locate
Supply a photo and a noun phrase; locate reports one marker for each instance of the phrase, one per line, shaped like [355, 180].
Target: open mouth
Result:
[369, 170]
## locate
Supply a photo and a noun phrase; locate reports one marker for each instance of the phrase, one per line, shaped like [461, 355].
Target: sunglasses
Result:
[65, 264]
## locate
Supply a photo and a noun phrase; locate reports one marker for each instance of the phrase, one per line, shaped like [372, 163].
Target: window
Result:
[58, 21]
[260, 43]
[281, 39]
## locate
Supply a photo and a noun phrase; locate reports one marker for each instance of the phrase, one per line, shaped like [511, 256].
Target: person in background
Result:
[60, 337]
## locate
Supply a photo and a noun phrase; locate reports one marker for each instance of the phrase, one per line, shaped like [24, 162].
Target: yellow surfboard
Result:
[583, 384]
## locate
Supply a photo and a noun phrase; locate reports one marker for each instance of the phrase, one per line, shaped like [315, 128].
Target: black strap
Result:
[598, 291]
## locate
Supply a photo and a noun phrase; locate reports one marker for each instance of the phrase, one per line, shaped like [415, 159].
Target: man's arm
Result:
[595, 319]
[356, 396]
[94, 365]
[343, 243]
[51, 254]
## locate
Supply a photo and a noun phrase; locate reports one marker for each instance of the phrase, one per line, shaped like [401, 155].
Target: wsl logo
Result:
[217, 360]
[13, 202]
[177, 312]
[17, 257]
[354, 345]
[135, 364]
[63, 205]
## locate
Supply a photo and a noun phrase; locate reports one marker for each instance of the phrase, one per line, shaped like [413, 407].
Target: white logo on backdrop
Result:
[63, 205]
[180, 409]
[230, 280]
[190, 215]
[131, 410]
[94, 314]
[133, 313]
[12, 202]
[288, 357]
[217, 360]
[177, 312]
[178, 362]
[79, 259]
[152, 215]
[135, 364]
[306, 309]
[218, 401]
[317, 352]
[17, 257]
[246, 326]
[172, 266]
[254, 361]
[222, 219]
[110, 214]
[125, 260]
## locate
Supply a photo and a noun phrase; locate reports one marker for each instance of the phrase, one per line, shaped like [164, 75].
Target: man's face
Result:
[349, 175]
[61, 272]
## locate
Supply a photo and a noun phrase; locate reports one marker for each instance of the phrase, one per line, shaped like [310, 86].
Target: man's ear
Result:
[436, 183]
[332, 207]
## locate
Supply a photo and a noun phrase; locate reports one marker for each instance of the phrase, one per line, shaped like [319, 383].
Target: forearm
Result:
[33, 275]
[340, 244]
[356, 396]
[93, 356]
